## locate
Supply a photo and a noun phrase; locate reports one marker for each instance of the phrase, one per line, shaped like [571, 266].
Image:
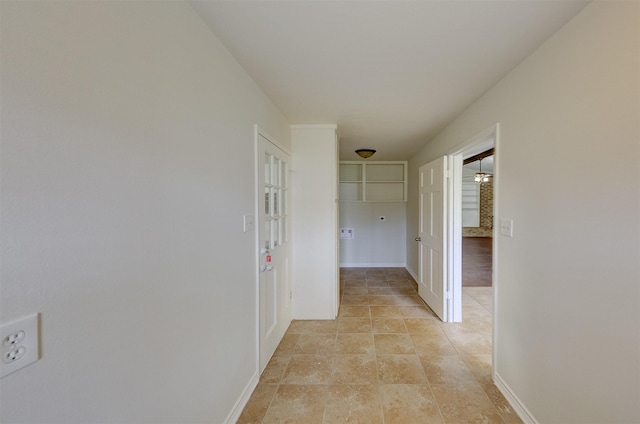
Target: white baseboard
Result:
[234, 415]
[372, 265]
[525, 415]
[412, 273]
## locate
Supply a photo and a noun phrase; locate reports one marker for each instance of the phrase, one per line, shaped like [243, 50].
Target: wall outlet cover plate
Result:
[20, 344]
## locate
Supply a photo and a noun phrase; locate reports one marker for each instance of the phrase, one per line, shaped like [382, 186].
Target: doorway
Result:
[482, 142]
[477, 219]
[441, 224]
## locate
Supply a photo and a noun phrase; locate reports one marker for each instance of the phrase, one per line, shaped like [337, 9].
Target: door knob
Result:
[418, 239]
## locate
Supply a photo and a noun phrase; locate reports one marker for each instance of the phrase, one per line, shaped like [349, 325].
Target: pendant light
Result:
[482, 177]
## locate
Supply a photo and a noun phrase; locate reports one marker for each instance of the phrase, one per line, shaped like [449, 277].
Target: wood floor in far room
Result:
[476, 261]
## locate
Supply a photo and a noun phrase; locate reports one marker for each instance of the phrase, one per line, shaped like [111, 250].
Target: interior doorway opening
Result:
[477, 219]
[481, 146]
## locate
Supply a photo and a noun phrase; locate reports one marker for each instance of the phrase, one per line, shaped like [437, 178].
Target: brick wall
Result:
[486, 214]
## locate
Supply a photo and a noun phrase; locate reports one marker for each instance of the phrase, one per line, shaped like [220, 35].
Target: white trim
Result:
[373, 265]
[242, 401]
[413, 274]
[525, 415]
[496, 243]
[454, 283]
[259, 131]
[478, 143]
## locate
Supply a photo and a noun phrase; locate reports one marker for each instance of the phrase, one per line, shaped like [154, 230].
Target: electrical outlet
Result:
[20, 344]
[14, 354]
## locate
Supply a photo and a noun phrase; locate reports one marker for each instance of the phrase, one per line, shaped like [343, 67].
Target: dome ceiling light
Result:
[365, 153]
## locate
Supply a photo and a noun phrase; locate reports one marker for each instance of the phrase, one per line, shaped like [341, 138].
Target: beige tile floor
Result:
[386, 359]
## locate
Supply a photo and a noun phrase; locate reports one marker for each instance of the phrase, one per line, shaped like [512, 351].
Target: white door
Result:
[274, 247]
[432, 237]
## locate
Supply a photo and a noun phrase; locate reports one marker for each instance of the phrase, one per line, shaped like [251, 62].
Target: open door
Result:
[274, 289]
[432, 237]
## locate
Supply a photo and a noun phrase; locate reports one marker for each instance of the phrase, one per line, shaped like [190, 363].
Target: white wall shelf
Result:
[382, 181]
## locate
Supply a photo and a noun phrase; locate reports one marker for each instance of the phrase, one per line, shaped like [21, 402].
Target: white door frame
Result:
[480, 142]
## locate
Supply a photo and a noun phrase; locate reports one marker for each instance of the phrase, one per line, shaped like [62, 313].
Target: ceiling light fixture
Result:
[365, 153]
[482, 177]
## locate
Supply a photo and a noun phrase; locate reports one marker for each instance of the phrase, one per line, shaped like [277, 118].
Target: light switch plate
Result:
[506, 227]
[249, 223]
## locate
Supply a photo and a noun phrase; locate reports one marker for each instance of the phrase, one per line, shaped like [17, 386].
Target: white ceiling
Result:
[391, 74]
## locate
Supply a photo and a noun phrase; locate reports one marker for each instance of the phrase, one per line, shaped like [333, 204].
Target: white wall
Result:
[127, 164]
[568, 323]
[315, 221]
[376, 243]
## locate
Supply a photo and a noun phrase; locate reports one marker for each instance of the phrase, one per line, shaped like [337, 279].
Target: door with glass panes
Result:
[274, 247]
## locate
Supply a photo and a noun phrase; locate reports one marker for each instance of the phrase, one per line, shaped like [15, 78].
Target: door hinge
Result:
[447, 295]
[448, 173]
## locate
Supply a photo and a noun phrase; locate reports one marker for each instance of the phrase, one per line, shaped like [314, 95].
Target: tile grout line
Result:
[405, 301]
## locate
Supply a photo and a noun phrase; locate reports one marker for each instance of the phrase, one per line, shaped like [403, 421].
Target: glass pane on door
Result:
[276, 201]
[267, 202]
[276, 232]
[283, 230]
[275, 174]
[283, 175]
[267, 168]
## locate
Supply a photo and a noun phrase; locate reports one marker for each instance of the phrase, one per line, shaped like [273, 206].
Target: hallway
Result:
[386, 359]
